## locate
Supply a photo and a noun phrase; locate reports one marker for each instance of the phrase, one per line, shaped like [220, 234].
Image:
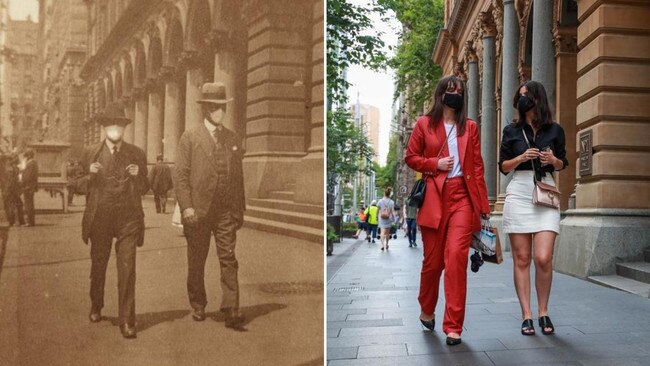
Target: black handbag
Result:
[416, 197]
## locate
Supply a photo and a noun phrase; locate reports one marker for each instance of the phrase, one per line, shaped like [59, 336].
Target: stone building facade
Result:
[63, 35]
[21, 122]
[154, 55]
[593, 57]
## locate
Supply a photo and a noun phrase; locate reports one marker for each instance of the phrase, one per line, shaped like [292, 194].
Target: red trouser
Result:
[446, 248]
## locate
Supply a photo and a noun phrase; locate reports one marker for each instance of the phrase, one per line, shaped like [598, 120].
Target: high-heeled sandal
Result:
[428, 324]
[527, 327]
[453, 341]
[545, 322]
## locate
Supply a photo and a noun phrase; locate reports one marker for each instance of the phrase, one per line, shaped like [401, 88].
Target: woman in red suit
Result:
[445, 148]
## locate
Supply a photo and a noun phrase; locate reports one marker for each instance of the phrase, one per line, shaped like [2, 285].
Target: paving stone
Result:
[460, 359]
[438, 345]
[377, 316]
[339, 353]
[382, 351]
[365, 323]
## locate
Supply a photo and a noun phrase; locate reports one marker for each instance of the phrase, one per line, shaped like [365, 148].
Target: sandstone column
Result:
[155, 123]
[473, 89]
[141, 118]
[173, 117]
[129, 111]
[543, 63]
[195, 79]
[488, 112]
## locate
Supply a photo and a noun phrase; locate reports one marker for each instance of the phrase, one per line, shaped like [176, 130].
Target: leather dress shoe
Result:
[199, 314]
[95, 316]
[234, 319]
[128, 331]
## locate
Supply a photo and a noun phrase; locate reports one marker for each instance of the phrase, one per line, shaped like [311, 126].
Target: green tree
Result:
[347, 148]
[414, 68]
[386, 176]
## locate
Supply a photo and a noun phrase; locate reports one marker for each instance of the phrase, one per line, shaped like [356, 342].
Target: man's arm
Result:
[182, 171]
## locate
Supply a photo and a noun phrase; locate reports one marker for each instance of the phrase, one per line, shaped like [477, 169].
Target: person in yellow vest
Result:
[372, 213]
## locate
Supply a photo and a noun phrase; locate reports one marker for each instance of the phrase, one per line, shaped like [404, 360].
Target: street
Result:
[44, 301]
[373, 316]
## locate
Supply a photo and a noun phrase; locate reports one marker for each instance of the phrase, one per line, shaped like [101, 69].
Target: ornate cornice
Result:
[497, 15]
[487, 24]
[189, 60]
[565, 40]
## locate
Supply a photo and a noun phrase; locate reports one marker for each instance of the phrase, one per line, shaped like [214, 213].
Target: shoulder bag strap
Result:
[532, 162]
[446, 140]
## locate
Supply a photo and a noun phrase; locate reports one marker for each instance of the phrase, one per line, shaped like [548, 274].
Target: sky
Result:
[376, 88]
[19, 9]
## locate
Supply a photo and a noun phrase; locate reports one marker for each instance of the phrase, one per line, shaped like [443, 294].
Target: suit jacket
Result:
[195, 173]
[160, 178]
[29, 182]
[138, 185]
[421, 152]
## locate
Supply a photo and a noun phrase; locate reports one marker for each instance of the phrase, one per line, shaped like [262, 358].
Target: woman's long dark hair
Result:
[435, 110]
[535, 91]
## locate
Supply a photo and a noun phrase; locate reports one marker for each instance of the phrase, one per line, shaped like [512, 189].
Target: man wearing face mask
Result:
[209, 188]
[117, 180]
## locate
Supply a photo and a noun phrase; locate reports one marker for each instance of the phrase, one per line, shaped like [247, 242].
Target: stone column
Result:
[509, 81]
[141, 118]
[173, 117]
[194, 81]
[129, 111]
[488, 112]
[155, 123]
[473, 89]
[543, 63]
[611, 221]
[278, 99]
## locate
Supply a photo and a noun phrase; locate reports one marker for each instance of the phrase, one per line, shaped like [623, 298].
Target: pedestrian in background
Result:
[74, 171]
[372, 217]
[160, 179]
[118, 180]
[534, 147]
[411, 224]
[386, 217]
[445, 147]
[209, 185]
[29, 185]
[11, 191]
[360, 218]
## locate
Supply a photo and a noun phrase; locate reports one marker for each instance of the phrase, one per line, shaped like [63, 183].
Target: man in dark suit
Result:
[11, 191]
[29, 185]
[160, 179]
[117, 181]
[210, 192]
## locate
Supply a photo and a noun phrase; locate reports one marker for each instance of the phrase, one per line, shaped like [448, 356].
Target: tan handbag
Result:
[543, 194]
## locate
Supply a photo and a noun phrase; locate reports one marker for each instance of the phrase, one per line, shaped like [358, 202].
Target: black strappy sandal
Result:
[545, 322]
[527, 327]
[453, 341]
[428, 324]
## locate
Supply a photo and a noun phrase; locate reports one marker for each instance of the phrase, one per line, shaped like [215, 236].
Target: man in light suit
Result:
[209, 187]
[29, 185]
[117, 180]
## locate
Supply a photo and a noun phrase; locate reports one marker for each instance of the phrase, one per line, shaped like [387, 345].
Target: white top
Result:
[452, 145]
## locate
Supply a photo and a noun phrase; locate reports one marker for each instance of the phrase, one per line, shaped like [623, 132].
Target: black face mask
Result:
[525, 104]
[454, 101]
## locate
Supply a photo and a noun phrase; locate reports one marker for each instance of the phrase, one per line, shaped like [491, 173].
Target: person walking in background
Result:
[118, 180]
[411, 224]
[373, 219]
[398, 221]
[29, 185]
[74, 171]
[209, 185]
[11, 191]
[360, 218]
[445, 147]
[386, 217]
[160, 179]
[534, 147]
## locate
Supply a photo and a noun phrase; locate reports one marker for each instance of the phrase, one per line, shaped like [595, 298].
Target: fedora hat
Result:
[113, 114]
[214, 93]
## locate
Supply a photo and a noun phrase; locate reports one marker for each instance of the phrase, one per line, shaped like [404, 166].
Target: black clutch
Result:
[416, 197]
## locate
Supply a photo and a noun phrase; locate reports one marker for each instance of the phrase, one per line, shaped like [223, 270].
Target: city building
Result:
[62, 52]
[154, 56]
[20, 91]
[367, 116]
[593, 59]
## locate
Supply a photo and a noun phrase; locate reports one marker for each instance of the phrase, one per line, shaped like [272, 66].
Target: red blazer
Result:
[424, 144]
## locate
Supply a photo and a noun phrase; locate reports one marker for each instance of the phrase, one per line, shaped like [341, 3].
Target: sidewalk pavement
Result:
[44, 300]
[373, 316]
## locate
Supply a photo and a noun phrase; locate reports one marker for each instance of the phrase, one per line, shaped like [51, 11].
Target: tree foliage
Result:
[413, 64]
[386, 176]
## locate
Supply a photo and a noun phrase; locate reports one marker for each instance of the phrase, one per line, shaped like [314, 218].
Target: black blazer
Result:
[29, 182]
[139, 185]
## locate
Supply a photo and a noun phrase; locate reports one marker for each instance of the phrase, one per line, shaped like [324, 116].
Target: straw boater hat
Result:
[214, 93]
[113, 114]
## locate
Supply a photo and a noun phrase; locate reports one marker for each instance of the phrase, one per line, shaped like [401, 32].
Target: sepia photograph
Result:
[162, 182]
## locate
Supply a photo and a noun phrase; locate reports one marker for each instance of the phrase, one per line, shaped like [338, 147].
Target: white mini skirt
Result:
[520, 215]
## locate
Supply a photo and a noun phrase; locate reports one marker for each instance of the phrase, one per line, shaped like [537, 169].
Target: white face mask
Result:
[114, 133]
[217, 115]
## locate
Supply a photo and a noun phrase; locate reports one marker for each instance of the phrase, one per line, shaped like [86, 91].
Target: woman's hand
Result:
[446, 163]
[547, 157]
[485, 216]
[529, 154]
